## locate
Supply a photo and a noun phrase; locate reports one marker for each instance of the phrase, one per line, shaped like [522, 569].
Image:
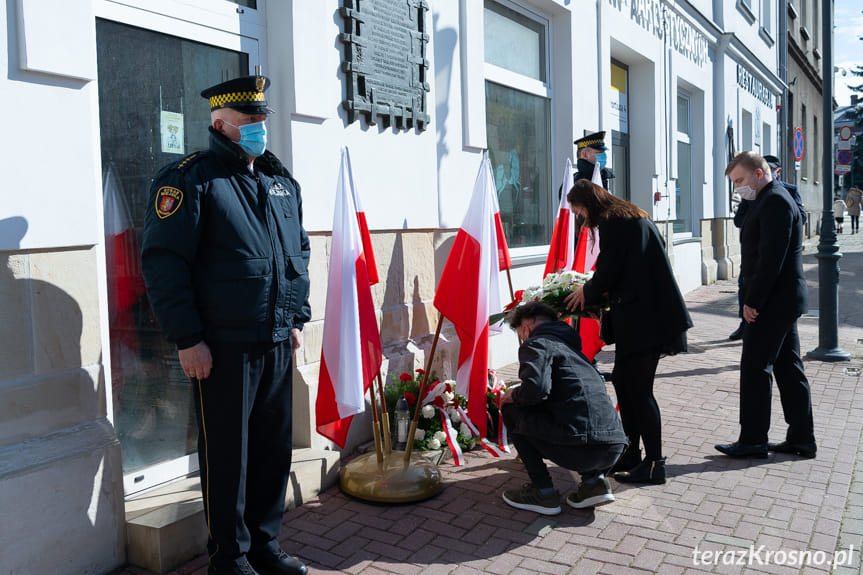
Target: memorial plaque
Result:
[384, 64]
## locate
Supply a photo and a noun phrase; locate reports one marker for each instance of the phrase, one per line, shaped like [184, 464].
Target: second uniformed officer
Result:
[225, 259]
[591, 150]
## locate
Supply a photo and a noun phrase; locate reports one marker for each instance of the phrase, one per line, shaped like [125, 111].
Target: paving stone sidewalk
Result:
[783, 506]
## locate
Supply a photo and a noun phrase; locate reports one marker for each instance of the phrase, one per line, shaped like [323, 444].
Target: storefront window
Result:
[518, 121]
[151, 114]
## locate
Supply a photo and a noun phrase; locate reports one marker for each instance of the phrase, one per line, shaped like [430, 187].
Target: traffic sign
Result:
[843, 145]
[798, 144]
[845, 133]
[843, 169]
[843, 157]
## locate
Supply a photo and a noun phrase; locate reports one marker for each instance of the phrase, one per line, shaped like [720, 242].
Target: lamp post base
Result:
[828, 354]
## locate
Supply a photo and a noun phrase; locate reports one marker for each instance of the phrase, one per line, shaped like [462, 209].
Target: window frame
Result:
[684, 138]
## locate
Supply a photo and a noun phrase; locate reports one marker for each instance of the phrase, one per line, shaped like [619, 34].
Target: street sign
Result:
[843, 145]
[843, 169]
[845, 133]
[843, 157]
[798, 144]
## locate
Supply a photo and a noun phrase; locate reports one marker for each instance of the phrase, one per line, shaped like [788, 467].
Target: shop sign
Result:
[682, 36]
[748, 81]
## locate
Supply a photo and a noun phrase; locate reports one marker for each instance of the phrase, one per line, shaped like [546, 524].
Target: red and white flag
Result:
[468, 292]
[351, 351]
[364, 226]
[561, 253]
[503, 259]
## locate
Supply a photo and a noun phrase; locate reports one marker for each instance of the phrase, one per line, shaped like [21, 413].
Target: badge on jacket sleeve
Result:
[168, 201]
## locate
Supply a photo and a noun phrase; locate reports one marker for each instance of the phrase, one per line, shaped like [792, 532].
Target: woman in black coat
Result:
[648, 317]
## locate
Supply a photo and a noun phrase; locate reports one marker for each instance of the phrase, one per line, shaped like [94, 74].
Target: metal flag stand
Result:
[386, 476]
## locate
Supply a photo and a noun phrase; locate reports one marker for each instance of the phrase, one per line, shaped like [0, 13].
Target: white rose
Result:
[434, 444]
[440, 436]
[428, 411]
[420, 435]
[448, 396]
[454, 416]
[464, 430]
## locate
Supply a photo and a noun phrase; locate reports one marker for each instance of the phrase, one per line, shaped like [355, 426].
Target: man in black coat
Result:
[225, 259]
[560, 412]
[740, 216]
[591, 150]
[774, 295]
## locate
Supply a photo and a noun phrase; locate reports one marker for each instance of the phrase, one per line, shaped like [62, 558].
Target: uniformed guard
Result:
[591, 150]
[225, 260]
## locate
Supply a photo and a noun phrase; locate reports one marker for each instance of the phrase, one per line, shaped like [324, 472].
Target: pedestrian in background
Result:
[853, 200]
[839, 212]
[648, 317]
[774, 294]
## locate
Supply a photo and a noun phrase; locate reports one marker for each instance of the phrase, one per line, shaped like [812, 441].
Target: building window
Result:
[745, 130]
[804, 170]
[144, 125]
[683, 192]
[518, 121]
[767, 15]
[766, 139]
[816, 172]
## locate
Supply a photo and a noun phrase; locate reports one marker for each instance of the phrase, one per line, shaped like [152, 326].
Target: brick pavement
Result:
[782, 503]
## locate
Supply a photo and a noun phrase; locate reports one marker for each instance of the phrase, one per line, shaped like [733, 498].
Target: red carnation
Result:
[518, 295]
[410, 398]
[405, 377]
[449, 387]
[439, 402]
[420, 371]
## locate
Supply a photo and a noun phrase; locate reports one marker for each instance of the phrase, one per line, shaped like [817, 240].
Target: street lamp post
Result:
[828, 250]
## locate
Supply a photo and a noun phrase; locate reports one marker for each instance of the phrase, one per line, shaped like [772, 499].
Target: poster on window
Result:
[618, 101]
[172, 133]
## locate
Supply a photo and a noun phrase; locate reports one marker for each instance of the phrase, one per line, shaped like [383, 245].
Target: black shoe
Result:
[738, 333]
[806, 450]
[648, 471]
[239, 566]
[738, 449]
[630, 458]
[280, 563]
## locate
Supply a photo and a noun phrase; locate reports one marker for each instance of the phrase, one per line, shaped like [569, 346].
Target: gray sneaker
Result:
[591, 494]
[528, 498]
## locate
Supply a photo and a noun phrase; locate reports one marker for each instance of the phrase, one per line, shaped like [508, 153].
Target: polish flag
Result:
[561, 253]
[503, 259]
[351, 351]
[468, 292]
[364, 226]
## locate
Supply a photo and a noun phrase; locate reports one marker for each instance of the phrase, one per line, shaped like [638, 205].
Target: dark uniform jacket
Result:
[771, 254]
[584, 171]
[647, 309]
[561, 399]
[225, 256]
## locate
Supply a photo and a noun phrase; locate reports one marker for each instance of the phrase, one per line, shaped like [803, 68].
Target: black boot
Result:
[648, 471]
[630, 458]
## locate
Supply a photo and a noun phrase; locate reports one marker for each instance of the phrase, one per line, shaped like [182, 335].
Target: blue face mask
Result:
[601, 158]
[253, 138]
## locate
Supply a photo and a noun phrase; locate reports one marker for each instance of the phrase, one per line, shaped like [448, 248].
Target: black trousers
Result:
[587, 460]
[771, 349]
[632, 378]
[855, 223]
[244, 446]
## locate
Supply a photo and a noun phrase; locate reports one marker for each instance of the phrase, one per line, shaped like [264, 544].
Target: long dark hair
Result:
[600, 204]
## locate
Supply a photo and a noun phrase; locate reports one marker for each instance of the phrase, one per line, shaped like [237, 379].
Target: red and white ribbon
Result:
[475, 433]
[498, 387]
[451, 437]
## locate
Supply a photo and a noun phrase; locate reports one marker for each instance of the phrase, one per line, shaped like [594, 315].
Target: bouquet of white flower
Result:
[553, 291]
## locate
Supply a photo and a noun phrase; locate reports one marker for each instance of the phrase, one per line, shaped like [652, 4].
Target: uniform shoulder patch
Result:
[189, 160]
[168, 200]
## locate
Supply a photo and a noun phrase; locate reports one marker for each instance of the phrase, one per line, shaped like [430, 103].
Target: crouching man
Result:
[560, 412]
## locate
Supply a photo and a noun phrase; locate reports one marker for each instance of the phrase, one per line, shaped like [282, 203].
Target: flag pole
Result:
[376, 425]
[385, 417]
[421, 391]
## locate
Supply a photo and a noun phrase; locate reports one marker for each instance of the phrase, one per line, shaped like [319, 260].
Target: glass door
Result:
[151, 114]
